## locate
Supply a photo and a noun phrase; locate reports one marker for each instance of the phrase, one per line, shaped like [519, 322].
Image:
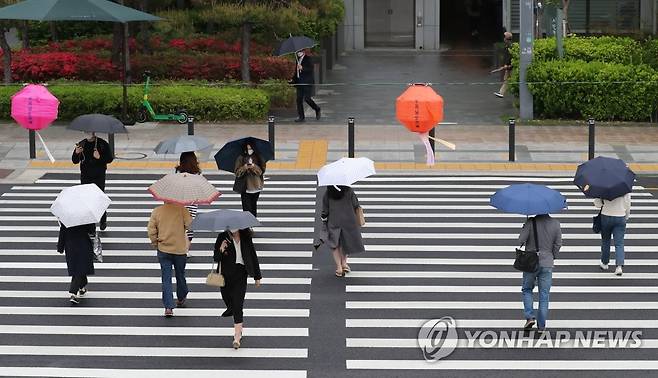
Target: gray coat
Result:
[549, 235]
[341, 228]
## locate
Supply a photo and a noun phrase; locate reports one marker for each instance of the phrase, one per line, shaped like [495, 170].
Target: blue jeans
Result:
[544, 277]
[167, 260]
[615, 227]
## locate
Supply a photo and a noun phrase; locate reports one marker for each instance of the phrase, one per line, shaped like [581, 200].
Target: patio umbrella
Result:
[222, 220]
[528, 199]
[604, 177]
[98, 123]
[346, 171]
[81, 10]
[80, 204]
[184, 189]
[294, 44]
[183, 143]
[228, 154]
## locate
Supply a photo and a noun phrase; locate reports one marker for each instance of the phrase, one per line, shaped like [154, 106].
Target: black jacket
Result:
[89, 166]
[306, 75]
[227, 258]
[77, 244]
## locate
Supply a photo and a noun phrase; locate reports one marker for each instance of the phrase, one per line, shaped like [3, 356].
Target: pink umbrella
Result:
[34, 108]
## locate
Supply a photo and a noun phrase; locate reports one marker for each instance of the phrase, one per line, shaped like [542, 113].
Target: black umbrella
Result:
[294, 44]
[98, 123]
[228, 154]
[605, 178]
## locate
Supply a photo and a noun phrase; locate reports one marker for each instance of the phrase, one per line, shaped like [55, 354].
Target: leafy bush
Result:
[601, 49]
[205, 103]
[281, 94]
[604, 91]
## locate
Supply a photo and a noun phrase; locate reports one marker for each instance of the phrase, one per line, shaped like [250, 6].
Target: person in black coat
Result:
[236, 255]
[303, 80]
[79, 249]
[93, 154]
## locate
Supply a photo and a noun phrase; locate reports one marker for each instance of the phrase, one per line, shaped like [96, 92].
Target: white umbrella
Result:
[80, 204]
[346, 171]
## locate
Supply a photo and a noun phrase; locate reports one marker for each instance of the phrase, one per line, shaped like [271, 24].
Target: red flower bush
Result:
[62, 65]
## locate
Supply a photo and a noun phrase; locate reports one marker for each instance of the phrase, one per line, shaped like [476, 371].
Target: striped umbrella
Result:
[184, 189]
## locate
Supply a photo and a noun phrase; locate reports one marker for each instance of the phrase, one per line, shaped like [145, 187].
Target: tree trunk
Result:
[126, 52]
[53, 31]
[117, 43]
[26, 38]
[244, 64]
[6, 56]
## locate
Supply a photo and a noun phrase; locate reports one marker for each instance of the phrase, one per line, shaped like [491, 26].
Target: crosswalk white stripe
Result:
[142, 266]
[520, 364]
[150, 252]
[354, 342]
[495, 289]
[131, 294]
[492, 248]
[507, 262]
[485, 305]
[155, 202]
[151, 351]
[509, 323]
[149, 331]
[145, 311]
[493, 235]
[12, 371]
[146, 195]
[31, 218]
[135, 240]
[400, 177]
[142, 229]
[143, 280]
[149, 210]
[496, 275]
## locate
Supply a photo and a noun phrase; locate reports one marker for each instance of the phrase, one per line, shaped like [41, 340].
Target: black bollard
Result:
[33, 144]
[432, 135]
[190, 125]
[592, 138]
[110, 141]
[512, 137]
[270, 134]
[350, 137]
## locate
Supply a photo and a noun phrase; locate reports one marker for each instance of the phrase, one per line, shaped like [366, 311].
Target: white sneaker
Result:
[603, 266]
[619, 271]
[499, 95]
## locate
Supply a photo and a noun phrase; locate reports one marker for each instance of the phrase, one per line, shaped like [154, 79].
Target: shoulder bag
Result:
[527, 261]
[596, 221]
[215, 277]
[97, 246]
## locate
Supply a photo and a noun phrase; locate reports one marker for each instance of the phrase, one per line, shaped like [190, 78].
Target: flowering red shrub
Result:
[58, 65]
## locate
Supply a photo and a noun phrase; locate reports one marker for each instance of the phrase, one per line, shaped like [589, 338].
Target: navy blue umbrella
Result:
[528, 199]
[294, 44]
[604, 177]
[228, 154]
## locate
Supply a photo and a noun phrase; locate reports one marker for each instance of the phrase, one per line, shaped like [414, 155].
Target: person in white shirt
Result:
[614, 215]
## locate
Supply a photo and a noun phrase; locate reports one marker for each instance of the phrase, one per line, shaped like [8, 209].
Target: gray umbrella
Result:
[98, 123]
[183, 143]
[222, 220]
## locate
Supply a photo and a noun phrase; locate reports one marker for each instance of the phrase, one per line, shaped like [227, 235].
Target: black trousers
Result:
[234, 290]
[250, 202]
[304, 93]
[100, 182]
[77, 283]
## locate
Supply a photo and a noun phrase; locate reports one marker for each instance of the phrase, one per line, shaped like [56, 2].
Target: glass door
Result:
[389, 23]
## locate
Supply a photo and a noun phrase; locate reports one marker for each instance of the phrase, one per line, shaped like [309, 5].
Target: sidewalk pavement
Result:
[310, 145]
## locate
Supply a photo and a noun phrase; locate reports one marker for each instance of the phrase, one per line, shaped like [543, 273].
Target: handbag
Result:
[596, 222]
[359, 216]
[97, 247]
[215, 278]
[240, 184]
[527, 261]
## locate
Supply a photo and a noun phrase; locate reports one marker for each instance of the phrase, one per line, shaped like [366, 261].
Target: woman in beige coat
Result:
[249, 169]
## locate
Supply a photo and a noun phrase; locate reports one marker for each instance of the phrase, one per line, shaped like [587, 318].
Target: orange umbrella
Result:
[419, 109]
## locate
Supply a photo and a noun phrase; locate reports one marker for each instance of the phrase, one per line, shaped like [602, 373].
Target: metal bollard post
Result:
[110, 141]
[190, 125]
[33, 144]
[350, 137]
[512, 139]
[432, 135]
[592, 138]
[270, 134]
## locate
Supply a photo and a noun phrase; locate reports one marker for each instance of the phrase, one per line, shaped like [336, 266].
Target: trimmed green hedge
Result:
[604, 91]
[208, 104]
[601, 49]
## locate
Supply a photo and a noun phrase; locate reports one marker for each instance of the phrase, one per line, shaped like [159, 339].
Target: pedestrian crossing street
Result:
[435, 248]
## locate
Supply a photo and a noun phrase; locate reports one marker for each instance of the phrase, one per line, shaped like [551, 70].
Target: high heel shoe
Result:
[236, 344]
[340, 273]
[346, 268]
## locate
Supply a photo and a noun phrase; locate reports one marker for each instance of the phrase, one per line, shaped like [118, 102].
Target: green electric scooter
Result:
[146, 111]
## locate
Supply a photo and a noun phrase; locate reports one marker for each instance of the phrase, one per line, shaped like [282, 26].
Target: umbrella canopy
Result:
[80, 204]
[73, 10]
[34, 107]
[184, 189]
[346, 171]
[419, 108]
[98, 123]
[528, 199]
[183, 143]
[294, 44]
[605, 178]
[222, 220]
[228, 154]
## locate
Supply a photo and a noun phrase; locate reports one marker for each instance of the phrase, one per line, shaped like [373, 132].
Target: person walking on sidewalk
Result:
[234, 251]
[303, 79]
[188, 163]
[614, 215]
[549, 242]
[93, 154]
[76, 243]
[166, 230]
[249, 181]
[507, 65]
[341, 228]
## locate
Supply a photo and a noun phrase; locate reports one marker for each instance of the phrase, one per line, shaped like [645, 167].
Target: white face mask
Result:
[300, 54]
[250, 151]
[233, 231]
